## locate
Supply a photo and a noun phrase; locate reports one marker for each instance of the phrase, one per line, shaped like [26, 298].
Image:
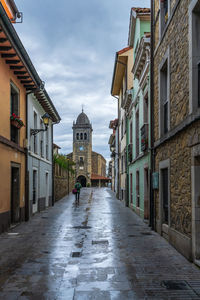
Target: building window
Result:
[137, 133]
[85, 136]
[137, 189]
[146, 109]
[164, 97]
[194, 55]
[122, 129]
[35, 136]
[41, 139]
[131, 184]
[81, 135]
[81, 162]
[14, 103]
[34, 186]
[47, 144]
[77, 136]
[164, 14]
[122, 164]
[131, 132]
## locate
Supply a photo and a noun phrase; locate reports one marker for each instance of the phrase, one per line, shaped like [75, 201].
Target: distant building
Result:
[122, 84]
[114, 163]
[90, 167]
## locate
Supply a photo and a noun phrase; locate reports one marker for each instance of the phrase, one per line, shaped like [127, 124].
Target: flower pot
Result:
[16, 124]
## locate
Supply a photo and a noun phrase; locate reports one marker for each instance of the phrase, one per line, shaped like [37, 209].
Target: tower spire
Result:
[82, 108]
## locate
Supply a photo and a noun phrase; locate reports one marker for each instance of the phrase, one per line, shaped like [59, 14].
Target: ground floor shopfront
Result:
[139, 186]
[176, 199]
[12, 184]
[40, 183]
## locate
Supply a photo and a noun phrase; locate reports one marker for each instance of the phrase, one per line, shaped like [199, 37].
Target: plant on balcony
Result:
[16, 121]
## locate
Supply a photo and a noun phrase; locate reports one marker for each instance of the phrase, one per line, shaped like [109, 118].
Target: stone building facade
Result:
[176, 105]
[90, 166]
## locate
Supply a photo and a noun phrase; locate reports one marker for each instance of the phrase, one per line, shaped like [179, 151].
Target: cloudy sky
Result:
[72, 45]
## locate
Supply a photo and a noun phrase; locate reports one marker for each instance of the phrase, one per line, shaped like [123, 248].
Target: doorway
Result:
[196, 204]
[82, 180]
[35, 192]
[15, 194]
[47, 190]
[146, 193]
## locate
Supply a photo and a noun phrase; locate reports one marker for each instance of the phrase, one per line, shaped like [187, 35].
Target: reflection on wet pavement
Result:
[97, 250]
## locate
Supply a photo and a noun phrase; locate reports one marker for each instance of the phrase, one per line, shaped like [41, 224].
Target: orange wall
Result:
[6, 76]
[7, 154]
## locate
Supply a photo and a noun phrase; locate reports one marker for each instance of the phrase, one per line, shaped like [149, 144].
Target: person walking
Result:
[78, 187]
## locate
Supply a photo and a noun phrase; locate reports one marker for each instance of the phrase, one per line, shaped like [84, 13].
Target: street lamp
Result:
[46, 117]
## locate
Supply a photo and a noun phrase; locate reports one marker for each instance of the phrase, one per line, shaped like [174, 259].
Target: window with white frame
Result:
[41, 139]
[137, 188]
[35, 150]
[122, 129]
[146, 109]
[137, 146]
[47, 144]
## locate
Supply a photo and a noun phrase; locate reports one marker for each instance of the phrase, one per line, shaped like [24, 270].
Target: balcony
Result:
[127, 99]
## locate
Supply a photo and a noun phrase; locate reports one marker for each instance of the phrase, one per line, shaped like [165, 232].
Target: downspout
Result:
[53, 200]
[27, 208]
[127, 166]
[152, 200]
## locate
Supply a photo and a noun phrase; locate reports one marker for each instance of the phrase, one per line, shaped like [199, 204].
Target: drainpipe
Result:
[53, 200]
[127, 168]
[27, 215]
[152, 200]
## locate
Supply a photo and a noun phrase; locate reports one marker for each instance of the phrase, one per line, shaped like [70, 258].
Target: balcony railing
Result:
[127, 99]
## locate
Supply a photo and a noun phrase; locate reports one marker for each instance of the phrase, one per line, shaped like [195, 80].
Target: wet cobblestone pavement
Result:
[99, 250]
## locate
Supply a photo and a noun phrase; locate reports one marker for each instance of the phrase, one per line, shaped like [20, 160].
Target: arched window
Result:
[81, 135]
[77, 136]
[85, 136]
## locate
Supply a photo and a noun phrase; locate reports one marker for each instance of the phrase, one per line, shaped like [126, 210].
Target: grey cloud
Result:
[72, 45]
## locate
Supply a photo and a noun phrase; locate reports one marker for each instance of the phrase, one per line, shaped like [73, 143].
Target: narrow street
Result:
[99, 250]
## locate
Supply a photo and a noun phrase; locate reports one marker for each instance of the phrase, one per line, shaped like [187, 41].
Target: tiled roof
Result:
[98, 177]
[140, 10]
[124, 50]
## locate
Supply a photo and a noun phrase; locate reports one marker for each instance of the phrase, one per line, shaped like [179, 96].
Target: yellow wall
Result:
[7, 154]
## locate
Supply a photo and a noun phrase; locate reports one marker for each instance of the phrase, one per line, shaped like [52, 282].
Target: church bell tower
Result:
[82, 149]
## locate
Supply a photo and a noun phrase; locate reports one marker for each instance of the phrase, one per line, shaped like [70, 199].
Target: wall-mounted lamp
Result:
[112, 149]
[46, 117]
